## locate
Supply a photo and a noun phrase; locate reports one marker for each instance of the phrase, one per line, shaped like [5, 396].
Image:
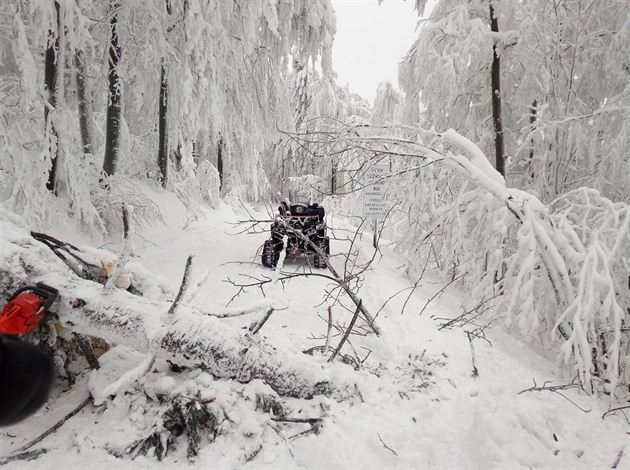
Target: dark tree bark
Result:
[496, 98]
[85, 110]
[532, 122]
[177, 154]
[220, 162]
[51, 75]
[114, 105]
[163, 127]
[196, 149]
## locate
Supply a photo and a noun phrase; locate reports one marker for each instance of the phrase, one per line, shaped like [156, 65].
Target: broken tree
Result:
[189, 337]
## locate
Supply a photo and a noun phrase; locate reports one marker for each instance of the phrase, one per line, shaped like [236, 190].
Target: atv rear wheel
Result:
[269, 255]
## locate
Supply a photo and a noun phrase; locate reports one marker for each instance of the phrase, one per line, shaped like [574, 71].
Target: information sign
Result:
[374, 185]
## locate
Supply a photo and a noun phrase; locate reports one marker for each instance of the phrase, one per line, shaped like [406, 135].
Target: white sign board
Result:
[374, 203]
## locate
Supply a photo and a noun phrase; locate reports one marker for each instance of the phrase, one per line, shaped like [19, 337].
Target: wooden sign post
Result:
[374, 203]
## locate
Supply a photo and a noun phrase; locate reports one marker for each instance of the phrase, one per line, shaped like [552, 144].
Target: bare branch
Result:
[386, 446]
[475, 372]
[183, 286]
[297, 420]
[256, 326]
[28, 455]
[327, 345]
[347, 333]
[556, 389]
[56, 426]
[440, 291]
[618, 459]
[466, 317]
[613, 410]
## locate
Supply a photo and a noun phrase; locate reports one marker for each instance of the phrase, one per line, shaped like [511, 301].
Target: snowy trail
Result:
[417, 404]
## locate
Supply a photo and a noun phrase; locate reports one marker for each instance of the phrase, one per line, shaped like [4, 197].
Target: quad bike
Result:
[304, 226]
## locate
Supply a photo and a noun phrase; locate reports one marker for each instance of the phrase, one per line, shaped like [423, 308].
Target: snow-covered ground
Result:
[414, 404]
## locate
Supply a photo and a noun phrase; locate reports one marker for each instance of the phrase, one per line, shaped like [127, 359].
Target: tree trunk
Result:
[163, 127]
[114, 105]
[85, 109]
[178, 156]
[220, 162]
[496, 98]
[51, 87]
[188, 337]
[532, 123]
[196, 149]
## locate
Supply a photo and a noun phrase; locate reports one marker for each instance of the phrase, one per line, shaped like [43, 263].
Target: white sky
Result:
[370, 42]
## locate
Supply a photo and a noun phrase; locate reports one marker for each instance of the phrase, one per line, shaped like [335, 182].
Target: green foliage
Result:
[271, 404]
[179, 416]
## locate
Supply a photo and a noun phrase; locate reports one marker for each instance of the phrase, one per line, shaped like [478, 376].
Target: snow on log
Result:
[187, 337]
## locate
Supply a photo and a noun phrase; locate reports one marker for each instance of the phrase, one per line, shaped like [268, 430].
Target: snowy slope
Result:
[415, 402]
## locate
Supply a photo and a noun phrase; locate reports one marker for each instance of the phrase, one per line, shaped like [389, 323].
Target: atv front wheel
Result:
[324, 245]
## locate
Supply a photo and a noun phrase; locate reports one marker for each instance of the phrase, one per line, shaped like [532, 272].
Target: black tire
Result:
[269, 255]
[324, 245]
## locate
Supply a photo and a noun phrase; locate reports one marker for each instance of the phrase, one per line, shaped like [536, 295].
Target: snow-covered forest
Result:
[144, 148]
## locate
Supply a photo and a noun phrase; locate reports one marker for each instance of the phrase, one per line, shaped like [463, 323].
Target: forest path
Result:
[420, 398]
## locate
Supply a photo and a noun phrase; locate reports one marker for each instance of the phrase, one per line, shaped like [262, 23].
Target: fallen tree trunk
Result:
[188, 337]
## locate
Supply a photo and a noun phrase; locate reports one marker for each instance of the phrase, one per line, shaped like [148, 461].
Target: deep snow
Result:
[416, 403]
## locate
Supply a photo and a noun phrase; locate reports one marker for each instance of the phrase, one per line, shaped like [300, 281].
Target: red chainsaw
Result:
[26, 309]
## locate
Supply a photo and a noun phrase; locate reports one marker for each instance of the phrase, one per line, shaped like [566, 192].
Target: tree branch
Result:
[347, 333]
[256, 326]
[183, 286]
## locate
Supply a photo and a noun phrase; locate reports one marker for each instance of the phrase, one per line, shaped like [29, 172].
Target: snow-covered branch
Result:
[558, 273]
